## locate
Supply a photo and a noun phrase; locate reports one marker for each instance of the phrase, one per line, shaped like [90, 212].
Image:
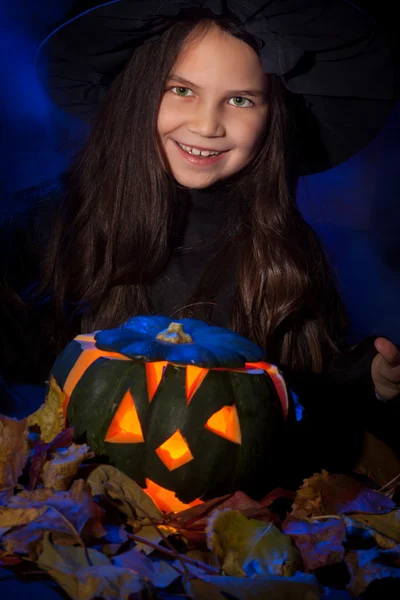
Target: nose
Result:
[206, 122]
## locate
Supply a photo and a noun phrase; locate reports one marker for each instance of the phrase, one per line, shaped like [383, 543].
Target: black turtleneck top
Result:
[200, 216]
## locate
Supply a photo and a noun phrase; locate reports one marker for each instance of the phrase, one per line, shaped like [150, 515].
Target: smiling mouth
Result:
[215, 152]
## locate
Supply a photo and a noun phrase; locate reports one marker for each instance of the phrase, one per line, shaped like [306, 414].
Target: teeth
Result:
[197, 152]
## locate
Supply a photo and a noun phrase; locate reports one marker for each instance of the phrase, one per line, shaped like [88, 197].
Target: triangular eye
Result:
[154, 373]
[174, 452]
[225, 423]
[125, 427]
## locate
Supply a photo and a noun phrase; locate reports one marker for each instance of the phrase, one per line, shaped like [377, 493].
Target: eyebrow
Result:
[255, 93]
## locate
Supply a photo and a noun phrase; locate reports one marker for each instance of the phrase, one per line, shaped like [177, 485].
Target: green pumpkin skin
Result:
[220, 466]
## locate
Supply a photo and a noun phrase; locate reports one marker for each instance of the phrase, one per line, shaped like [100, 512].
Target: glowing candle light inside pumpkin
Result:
[225, 423]
[166, 500]
[174, 452]
[125, 427]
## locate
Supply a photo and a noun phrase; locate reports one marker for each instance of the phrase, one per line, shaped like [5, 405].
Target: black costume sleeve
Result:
[339, 405]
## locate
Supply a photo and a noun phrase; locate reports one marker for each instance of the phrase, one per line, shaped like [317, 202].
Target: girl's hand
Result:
[385, 369]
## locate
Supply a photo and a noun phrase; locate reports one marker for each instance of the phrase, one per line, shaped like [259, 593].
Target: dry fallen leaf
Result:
[15, 517]
[84, 581]
[248, 547]
[43, 451]
[387, 524]
[62, 468]
[27, 540]
[366, 566]
[319, 542]
[152, 534]
[377, 460]
[325, 494]
[359, 535]
[160, 573]
[122, 492]
[192, 522]
[50, 416]
[14, 452]
[76, 505]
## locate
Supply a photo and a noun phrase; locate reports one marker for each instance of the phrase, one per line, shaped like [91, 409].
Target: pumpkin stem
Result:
[175, 335]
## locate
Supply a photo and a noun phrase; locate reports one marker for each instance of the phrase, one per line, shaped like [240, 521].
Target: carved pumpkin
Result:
[187, 410]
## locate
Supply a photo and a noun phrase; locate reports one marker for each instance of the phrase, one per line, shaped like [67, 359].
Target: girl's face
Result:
[216, 98]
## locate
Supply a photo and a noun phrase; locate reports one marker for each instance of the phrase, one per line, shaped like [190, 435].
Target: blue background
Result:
[353, 207]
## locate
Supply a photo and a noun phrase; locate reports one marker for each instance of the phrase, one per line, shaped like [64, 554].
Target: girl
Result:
[149, 223]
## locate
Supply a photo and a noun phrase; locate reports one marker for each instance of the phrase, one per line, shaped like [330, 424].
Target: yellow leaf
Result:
[50, 416]
[250, 547]
[60, 470]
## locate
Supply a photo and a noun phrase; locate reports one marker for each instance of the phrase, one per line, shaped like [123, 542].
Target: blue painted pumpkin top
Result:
[211, 347]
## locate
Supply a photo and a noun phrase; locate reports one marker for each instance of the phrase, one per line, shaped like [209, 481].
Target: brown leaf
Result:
[76, 505]
[160, 573]
[366, 566]
[27, 540]
[152, 534]
[189, 517]
[8, 560]
[15, 517]
[319, 542]
[377, 460]
[192, 522]
[14, 451]
[275, 495]
[108, 582]
[325, 494]
[50, 416]
[42, 452]
[122, 492]
[60, 470]
[358, 533]
[70, 568]
[387, 524]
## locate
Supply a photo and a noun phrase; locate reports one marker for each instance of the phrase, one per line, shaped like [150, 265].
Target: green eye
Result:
[243, 99]
[179, 88]
[234, 98]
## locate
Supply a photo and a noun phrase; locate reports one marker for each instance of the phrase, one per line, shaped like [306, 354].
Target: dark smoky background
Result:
[354, 207]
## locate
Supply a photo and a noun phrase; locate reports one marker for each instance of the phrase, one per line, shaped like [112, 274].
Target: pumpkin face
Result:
[189, 420]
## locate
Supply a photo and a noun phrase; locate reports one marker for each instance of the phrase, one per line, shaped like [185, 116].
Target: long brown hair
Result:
[111, 236]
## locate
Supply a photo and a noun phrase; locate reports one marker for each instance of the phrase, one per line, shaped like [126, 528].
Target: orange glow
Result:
[194, 379]
[174, 452]
[225, 423]
[154, 373]
[87, 358]
[125, 427]
[86, 341]
[166, 500]
[278, 380]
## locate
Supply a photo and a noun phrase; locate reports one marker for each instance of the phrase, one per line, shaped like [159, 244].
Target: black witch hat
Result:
[332, 57]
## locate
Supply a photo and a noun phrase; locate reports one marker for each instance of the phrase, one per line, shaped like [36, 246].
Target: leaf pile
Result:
[97, 534]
